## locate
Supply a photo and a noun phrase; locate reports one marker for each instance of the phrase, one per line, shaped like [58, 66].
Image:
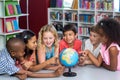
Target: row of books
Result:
[71, 16]
[104, 5]
[102, 15]
[10, 25]
[61, 3]
[12, 8]
[83, 31]
[56, 15]
[89, 18]
[86, 4]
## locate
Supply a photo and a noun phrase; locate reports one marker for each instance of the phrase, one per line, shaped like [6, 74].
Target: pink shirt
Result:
[105, 54]
[19, 65]
[77, 45]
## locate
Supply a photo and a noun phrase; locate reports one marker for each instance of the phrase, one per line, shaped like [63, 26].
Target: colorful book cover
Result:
[15, 9]
[59, 3]
[10, 36]
[67, 3]
[15, 25]
[75, 4]
[18, 9]
[10, 9]
[9, 26]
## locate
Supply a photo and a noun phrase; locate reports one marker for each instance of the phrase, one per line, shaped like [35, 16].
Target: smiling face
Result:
[94, 38]
[32, 43]
[48, 39]
[104, 38]
[69, 36]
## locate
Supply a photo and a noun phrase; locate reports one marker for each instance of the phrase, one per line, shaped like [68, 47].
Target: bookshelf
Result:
[85, 15]
[10, 11]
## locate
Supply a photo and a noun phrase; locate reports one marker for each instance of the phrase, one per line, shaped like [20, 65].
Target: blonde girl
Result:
[48, 46]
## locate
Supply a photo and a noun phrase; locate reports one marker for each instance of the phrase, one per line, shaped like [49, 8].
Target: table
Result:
[88, 72]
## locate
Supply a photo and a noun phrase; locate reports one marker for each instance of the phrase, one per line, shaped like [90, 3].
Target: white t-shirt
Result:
[89, 46]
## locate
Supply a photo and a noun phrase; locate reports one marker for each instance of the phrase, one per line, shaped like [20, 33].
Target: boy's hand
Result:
[21, 76]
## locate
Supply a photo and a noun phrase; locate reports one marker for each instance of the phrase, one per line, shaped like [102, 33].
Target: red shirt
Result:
[77, 45]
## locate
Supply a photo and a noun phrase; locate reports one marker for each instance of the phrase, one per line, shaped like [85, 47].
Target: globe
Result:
[68, 57]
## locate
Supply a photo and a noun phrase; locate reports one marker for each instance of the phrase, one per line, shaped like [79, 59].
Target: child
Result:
[7, 64]
[93, 45]
[109, 56]
[48, 46]
[70, 38]
[30, 54]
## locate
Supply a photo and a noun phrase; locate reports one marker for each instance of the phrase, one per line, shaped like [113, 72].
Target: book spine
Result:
[18, 9]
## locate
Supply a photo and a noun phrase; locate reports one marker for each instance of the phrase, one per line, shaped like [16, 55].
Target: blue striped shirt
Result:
[7, 64]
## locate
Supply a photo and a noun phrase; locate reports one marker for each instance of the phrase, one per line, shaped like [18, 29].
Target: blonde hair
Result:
[47, 28]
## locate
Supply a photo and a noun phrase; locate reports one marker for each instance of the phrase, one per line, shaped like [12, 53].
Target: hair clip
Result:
[25, 36]
[101, 24]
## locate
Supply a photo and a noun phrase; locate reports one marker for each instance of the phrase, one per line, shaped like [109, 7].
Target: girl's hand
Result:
[86, 52]
[83, 53]
[27, 65]
[81, 61]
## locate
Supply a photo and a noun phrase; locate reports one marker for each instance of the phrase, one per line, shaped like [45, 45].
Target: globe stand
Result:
[69, 73]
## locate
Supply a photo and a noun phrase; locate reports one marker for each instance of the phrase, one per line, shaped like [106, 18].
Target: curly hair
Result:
[110, 28]
[47, 28]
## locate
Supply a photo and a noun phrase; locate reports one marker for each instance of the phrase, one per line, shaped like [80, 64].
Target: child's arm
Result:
[41, 54]
[113, 54]
[43, 65]
[96, 61]
[21, 74]
[57, 73]
[57, 51]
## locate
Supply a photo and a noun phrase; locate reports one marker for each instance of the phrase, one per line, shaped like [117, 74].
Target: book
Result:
[9, 26]
[10, 9]
[15, 25]
[18, 9]
[10, 36]
[15, 9]
[75, 4]
[59, 3]
[52, 3]
[67, 3]
[116, 5]
[1, 26]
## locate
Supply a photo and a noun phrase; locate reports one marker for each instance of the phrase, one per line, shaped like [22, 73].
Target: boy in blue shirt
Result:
[13, 51]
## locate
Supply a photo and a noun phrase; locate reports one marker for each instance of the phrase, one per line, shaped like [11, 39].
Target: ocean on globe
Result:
[68, 57]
